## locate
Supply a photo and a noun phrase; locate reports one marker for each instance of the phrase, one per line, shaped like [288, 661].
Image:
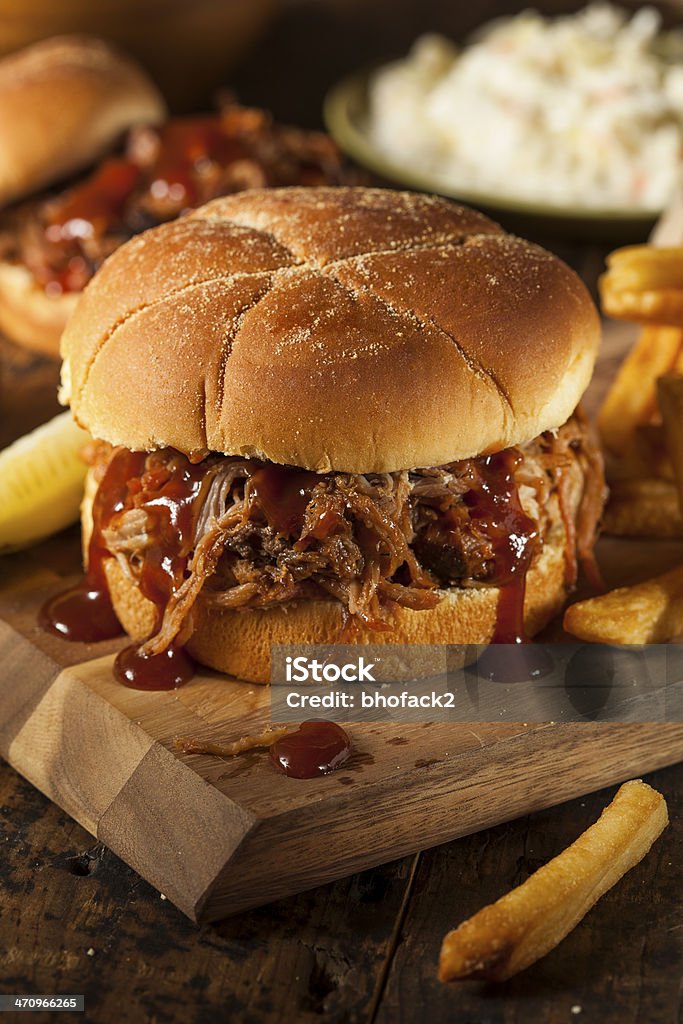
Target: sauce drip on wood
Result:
[513, 534]
[164, 671]
[84, 613]
[316, 748]
[81, 614]
[169, 499]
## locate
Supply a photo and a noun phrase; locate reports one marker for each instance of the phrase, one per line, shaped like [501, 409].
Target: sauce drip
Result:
[168, 502]
[316, 748]
[284, 494]
[84, 613]
[513, 534]
[164, 671]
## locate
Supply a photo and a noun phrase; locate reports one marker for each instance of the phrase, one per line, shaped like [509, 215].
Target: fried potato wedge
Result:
[525, 924]
[632, 399]
[644, 284]
[644, 507]
[650, 449]
[646, 457]
[670, 400]
[646, 613]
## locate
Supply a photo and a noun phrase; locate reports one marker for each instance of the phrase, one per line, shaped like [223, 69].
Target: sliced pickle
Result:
[41, 483]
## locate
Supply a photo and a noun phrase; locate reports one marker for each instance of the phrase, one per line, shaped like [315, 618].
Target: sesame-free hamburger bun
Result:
[345, 329]
[361, 335]
[64, 103]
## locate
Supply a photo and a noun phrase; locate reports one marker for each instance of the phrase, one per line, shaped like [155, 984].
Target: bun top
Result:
[354, 329]
[63, 103]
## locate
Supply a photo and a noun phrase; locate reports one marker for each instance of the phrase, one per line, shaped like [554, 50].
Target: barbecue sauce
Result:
[163, 671]
[96, 205]
[316, 748]
[169, 501]
[284, 494]
[168, 492]
[187, 143]
[91, 210]
[513, 535]
[84, 613]
[99, 205]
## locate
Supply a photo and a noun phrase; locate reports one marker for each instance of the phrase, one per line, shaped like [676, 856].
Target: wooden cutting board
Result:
[219, 835]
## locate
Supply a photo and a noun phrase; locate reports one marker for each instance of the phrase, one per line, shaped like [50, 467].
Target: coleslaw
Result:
[583, 110]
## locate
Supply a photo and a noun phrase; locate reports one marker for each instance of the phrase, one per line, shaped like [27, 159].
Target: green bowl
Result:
[346, 116]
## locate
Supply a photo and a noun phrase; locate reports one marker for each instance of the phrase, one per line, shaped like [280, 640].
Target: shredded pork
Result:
[369, 541]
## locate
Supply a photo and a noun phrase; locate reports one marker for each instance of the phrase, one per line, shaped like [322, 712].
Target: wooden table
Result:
[74, 918]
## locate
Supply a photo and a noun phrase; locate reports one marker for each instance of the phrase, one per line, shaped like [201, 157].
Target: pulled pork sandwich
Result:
[332, 414]
[64, 103]
[53, 245]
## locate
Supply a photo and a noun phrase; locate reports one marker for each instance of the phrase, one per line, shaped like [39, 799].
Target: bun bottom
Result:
[238, 642]
[28, 316]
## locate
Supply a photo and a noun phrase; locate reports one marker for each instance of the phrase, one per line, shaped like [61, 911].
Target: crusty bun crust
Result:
[360, 330]
[63, 103]
[29, 316]
[239, 642]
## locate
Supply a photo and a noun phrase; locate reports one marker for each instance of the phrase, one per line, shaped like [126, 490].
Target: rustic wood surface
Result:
[219, 836]
[75, 918]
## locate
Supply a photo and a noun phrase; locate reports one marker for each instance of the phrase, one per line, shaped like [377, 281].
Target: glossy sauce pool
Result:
[316, 748]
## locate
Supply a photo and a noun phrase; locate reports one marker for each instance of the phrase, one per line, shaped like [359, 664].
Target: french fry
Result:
[646, 613]
[632, 398]
[644, 507]
[525, 924]
[646, 457]
[670, 399]
[644, 284]
[650, 443]
[641, 420]
[647, 266]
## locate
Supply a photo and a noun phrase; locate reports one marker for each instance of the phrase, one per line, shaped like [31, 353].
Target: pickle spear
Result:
[41, 483]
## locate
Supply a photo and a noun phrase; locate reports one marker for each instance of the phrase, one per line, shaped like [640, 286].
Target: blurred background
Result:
[280, 54]
[310, 44]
